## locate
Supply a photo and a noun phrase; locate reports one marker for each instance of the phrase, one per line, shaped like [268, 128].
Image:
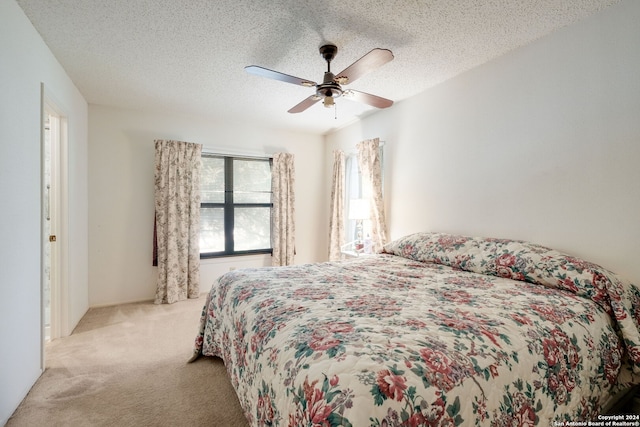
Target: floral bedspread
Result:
[437, 330]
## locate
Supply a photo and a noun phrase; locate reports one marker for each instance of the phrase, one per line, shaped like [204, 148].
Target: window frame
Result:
[229, 206]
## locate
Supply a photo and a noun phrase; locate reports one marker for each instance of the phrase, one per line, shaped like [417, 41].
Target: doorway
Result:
[50, 166]
[53, 149]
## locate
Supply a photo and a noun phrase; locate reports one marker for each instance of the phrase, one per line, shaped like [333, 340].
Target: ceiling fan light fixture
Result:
[328, 102]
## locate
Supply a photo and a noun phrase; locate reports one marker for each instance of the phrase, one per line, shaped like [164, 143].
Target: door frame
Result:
[59, 306]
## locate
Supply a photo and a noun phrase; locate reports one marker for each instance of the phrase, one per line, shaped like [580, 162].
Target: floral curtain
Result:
[371, 169]
[336, 221]
[282, 187]
[177, 203]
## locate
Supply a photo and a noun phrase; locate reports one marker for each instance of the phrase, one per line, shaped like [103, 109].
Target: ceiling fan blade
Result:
[369, 62]
[367, 98]
[270, 74]
[308, 102]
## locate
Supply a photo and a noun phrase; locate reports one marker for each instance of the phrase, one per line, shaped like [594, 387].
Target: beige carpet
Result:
[127, 366]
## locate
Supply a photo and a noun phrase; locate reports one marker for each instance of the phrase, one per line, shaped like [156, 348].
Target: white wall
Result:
[121, 206]
[25, 63]
[542, 144]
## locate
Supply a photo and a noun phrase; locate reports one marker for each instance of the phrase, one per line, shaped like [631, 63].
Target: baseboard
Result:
[139, 301]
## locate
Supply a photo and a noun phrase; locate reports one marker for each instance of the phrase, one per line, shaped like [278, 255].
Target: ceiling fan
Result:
[331, 86]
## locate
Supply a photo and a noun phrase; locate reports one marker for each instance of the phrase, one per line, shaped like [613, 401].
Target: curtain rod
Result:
[235, 154]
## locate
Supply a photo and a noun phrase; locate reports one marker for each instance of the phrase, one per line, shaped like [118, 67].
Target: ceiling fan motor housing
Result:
[329, 87]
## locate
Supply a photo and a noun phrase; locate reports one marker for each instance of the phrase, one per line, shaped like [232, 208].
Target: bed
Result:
[438, 329]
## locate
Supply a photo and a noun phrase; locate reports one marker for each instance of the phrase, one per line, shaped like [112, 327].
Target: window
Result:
[357, 224]
[355, 190]
[235, 209]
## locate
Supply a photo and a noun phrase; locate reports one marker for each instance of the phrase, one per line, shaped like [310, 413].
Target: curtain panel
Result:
[336, 221]
[177, 205]
[282, 187]
[371, 169]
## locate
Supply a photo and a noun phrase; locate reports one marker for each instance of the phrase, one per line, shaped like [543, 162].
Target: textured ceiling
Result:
[188, 56]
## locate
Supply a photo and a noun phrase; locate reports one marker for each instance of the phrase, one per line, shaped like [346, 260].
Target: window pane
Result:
[251, 181]
[212, 180]
[211, 230]
[252, 228]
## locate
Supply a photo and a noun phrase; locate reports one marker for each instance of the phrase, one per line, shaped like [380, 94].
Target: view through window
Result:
[235, 210]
